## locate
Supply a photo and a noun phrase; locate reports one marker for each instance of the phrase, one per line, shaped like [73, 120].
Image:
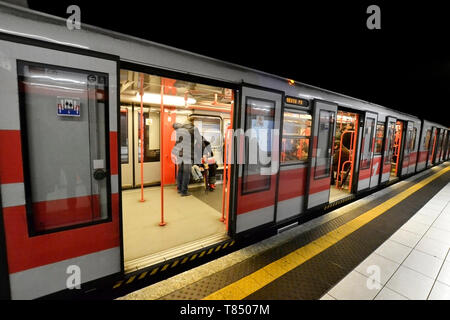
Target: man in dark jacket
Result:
[187, 151]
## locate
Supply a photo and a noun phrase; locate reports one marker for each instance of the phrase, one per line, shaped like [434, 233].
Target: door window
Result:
[379, 138]
[124, 156]
[324, 144]
[64, 122]
[366, 155]
[389, 143]
[151, 137]
[296, 133]
[259, 123]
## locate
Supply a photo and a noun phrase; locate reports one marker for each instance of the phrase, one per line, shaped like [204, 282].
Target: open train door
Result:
[320, 169]
[406, 148]
[388, 149]
[258, 161]
[367, 148]
[432, 154]
[59, 179]
[445, 146]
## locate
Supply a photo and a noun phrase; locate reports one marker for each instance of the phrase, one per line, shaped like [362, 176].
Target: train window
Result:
[124, 156]
[296, 133]
[367, 143]
[259, 124]
[413, 139]
[427, 139]
[64, 118]
[440, 140]
[444, 144]
[324, 144]
[379, 138]
[151, 136]
[389, 143]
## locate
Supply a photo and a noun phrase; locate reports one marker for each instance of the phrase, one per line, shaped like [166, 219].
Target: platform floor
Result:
[188, 219]
[393, 231]
[414, 263]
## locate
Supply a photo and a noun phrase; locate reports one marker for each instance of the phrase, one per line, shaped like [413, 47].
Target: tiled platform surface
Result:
[317, 276]
[414, 263]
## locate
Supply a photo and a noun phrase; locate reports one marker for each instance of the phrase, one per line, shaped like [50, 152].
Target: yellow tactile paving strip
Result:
[257, 280]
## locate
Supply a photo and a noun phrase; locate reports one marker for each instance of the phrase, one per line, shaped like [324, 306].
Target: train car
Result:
[87, 133]
[434, 143]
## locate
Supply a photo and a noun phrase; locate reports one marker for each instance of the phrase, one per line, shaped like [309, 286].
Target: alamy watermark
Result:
[73, 281]
[374, 279]
[74, 20]
[258, 147]
[374, 20]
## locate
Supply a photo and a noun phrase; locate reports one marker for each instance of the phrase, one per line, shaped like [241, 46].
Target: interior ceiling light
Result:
[155, 98]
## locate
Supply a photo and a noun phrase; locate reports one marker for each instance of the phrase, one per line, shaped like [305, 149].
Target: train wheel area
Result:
[171, 206]
[317, 259]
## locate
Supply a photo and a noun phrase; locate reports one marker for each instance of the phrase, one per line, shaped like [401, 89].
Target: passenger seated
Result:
[209, 164]
[196, 173]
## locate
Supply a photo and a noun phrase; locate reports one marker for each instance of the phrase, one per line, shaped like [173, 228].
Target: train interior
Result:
[343, 155]
[396, 147]
[158, 222]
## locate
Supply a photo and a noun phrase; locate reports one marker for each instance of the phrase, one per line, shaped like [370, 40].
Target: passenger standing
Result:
[188, 150]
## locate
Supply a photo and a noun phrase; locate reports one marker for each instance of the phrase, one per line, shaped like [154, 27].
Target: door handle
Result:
[99, 174]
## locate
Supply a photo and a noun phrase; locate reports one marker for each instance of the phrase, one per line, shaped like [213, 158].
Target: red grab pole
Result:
[161, 133]
[142, 136]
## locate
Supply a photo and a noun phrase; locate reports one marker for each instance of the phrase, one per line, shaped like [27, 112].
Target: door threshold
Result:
[147, 261]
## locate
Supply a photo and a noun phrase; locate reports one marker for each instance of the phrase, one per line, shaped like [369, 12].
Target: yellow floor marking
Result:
[244, 287]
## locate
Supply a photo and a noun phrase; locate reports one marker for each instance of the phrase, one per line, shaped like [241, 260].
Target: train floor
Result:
[392, 244]
[190, 221]
[336, 194]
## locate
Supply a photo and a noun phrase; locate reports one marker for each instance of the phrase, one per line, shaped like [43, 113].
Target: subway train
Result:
[88, 186]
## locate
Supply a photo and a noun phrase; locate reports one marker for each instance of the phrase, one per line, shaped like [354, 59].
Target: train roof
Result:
[23, 22]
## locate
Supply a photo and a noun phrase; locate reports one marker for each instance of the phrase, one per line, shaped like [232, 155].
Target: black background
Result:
[405, 65]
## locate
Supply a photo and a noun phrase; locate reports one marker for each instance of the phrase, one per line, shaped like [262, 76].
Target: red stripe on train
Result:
[11, 159]
[292, 183]
[387, 168]
[412, 158]
[364, 174]
[256, 200]
[64, 212]
[319, 185]
[423, 156]
[376, 165]
[114, 153]
[25, 253]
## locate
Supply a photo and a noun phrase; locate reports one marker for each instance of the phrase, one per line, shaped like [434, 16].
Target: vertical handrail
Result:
[161, 153]
[142, 135]
[340, 153]
[434, 145]
[353, 145]
[225, 175]
[338, 171]
[227, 216]
[397, 150]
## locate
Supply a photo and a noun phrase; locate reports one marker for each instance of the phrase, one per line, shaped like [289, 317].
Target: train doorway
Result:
[159, 221]
[344, 155]
[396, 150]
